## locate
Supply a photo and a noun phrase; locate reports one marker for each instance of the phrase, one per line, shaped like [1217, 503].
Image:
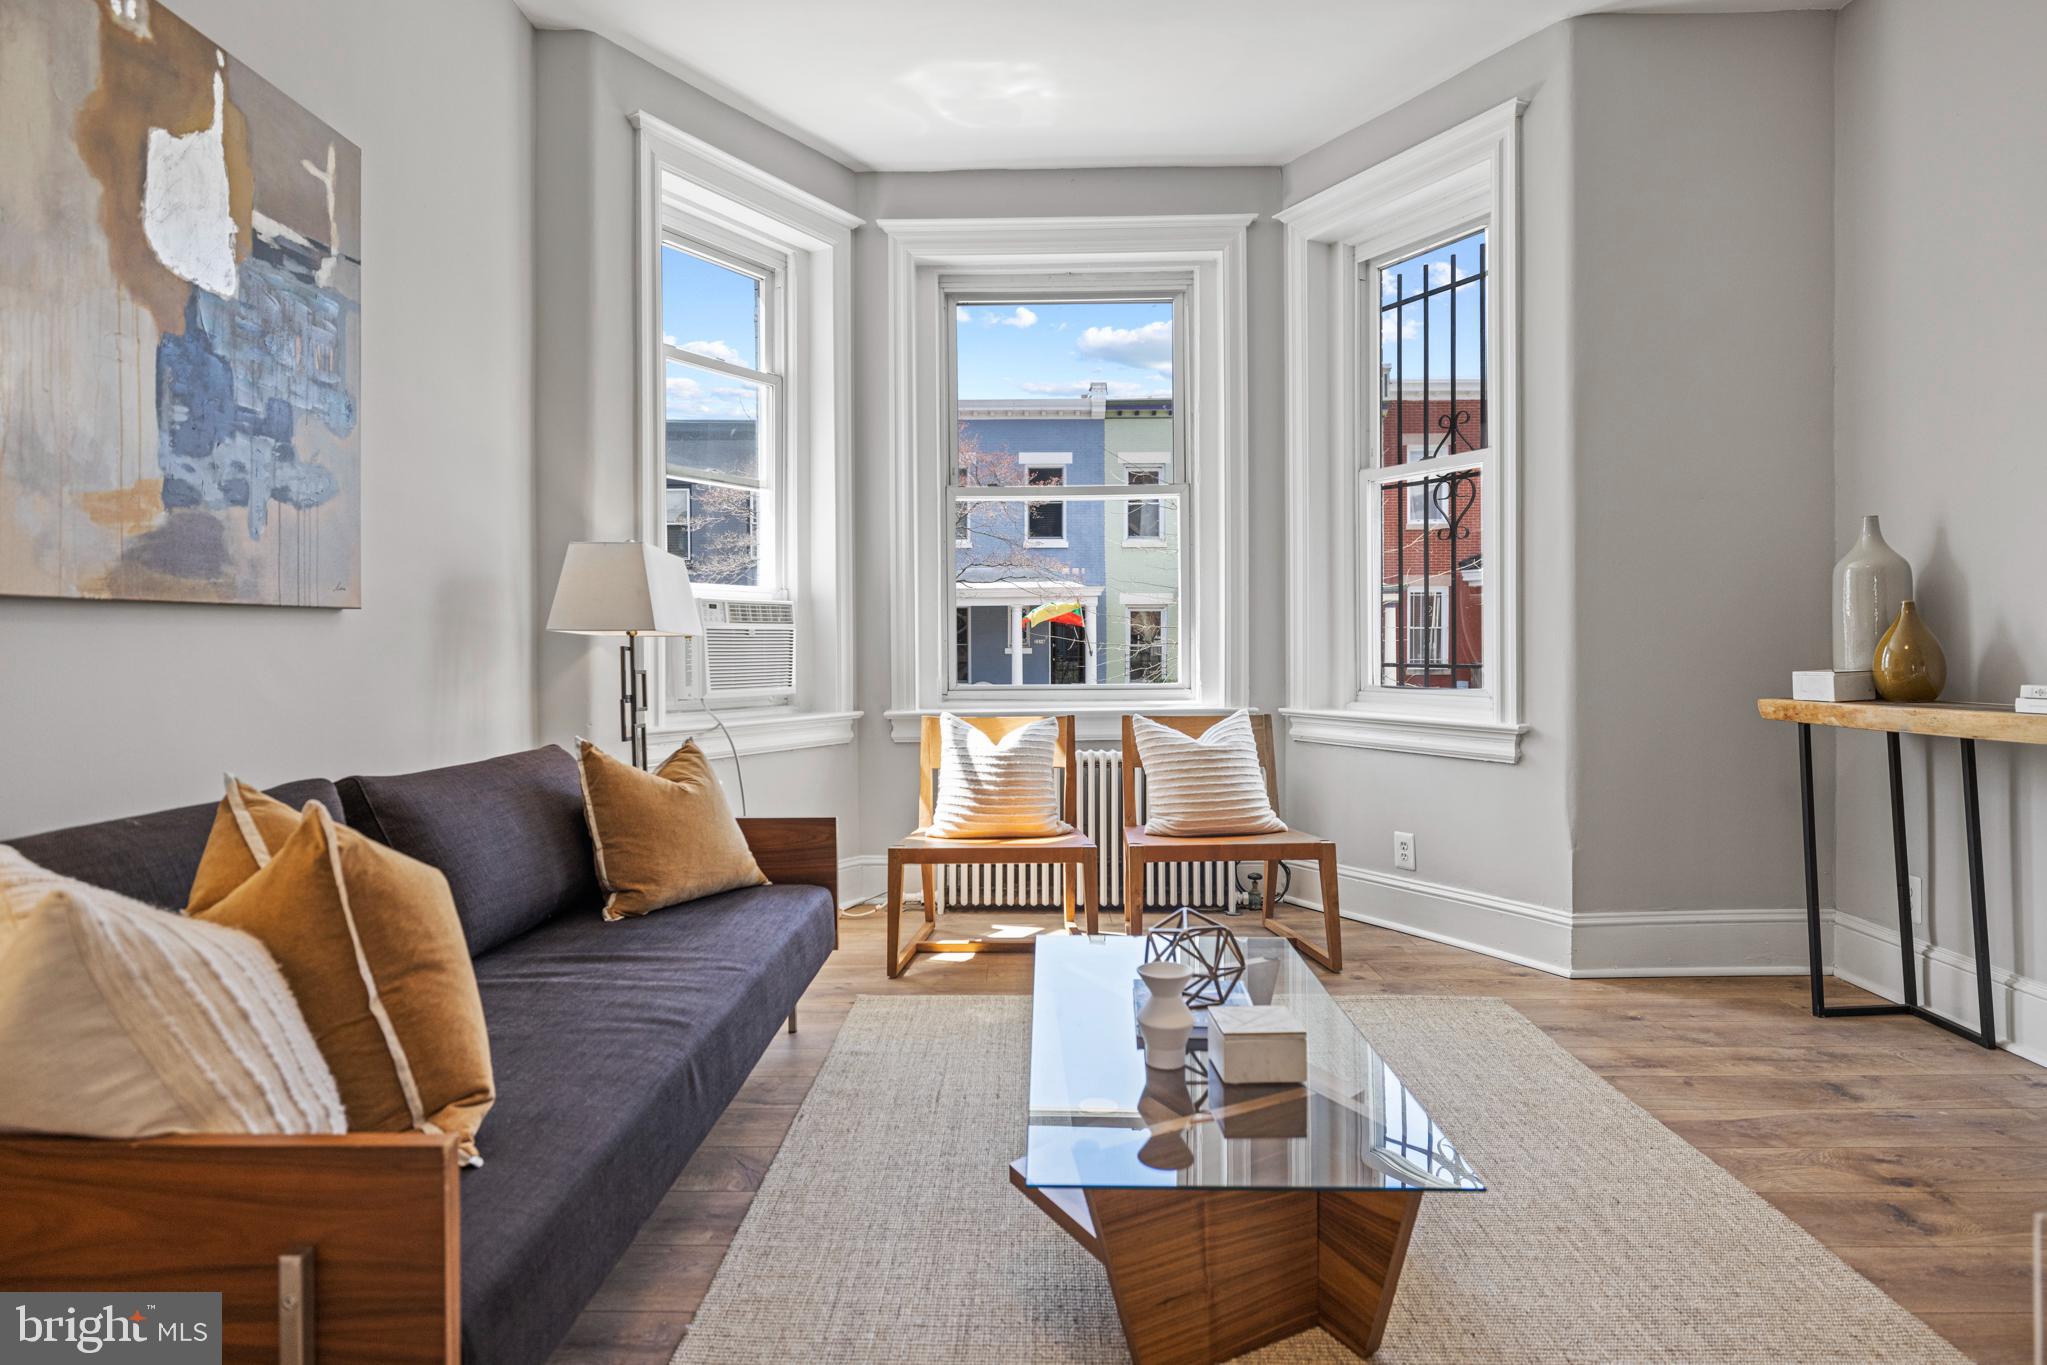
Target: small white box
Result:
[2033, 691]
[2027, 706]
[1257, 1045]
[1824, 684]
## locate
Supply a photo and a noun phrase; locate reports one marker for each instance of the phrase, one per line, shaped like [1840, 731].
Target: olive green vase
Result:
[1909, 665]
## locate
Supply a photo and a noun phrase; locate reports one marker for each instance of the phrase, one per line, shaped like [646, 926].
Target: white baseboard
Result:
[1866, 954]
[1742, 942]
[1532, 935]
[862, 878]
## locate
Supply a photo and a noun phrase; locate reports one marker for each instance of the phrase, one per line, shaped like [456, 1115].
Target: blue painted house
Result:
[1010, 557]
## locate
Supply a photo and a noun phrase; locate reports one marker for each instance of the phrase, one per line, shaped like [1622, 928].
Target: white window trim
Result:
[1155, 461]
[1046, 459]
[1202, 256]
[1469, 173]
[685, 184]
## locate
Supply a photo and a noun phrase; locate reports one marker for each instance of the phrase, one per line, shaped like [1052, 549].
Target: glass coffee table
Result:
[1226, 1216]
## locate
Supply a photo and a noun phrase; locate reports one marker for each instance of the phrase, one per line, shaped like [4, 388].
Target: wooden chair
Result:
[1146, 849]
[1074, 850]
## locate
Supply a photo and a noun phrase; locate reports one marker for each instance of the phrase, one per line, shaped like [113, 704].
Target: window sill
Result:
[1485, 741]
[1144, 542]
[1030, 544]
[761, 730]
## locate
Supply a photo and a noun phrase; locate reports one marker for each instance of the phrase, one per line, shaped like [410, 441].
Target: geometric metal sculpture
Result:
[1207, 946]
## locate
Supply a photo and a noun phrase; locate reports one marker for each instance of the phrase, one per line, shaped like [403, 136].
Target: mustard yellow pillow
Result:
[661, 837]
[368, 941]
[247, 825]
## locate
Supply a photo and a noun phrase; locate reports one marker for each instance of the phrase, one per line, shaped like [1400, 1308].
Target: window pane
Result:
[1432, 582]
[1080, 381]
[709, 308]
[715, 528]
[1105, 608]
[713, 424]
[1432, 352]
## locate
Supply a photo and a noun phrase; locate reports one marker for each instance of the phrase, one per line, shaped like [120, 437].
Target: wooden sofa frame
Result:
[343, 1247]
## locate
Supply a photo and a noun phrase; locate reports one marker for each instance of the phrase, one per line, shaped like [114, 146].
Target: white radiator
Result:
[1167, 886]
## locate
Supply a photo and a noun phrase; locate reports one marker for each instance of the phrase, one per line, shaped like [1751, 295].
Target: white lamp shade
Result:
[614, 587]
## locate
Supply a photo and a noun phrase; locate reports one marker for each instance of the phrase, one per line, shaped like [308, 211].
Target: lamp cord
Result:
[738, 769]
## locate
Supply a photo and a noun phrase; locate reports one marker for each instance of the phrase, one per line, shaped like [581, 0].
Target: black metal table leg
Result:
[1979, 917]
[1812, 870]
[1907, 959]
[1816, 961]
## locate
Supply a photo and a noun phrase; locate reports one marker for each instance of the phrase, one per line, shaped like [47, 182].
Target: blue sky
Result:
[1404, 337]
[1053, 350]
[713, 311]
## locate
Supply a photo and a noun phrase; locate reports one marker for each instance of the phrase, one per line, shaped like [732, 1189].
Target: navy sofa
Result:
[616, 1046]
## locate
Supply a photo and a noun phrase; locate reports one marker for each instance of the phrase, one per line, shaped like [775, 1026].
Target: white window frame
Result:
[692, 194]
[1154, 462]
[1459, 180]
[1199, 260]
[1045, 459]
[685, 231]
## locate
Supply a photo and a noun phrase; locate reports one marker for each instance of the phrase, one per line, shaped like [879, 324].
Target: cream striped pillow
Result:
[118, 1020]
[988, 790]
[1210, 785]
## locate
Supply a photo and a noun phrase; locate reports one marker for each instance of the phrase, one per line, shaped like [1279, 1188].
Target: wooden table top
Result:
[1952, 719]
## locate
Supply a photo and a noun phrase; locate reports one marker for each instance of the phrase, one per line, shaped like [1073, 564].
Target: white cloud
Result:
[1410, 325]
[1439, 273]
[1022, 317]
[1149, 347]
[689, 397]
[716, 350]
[966, 316]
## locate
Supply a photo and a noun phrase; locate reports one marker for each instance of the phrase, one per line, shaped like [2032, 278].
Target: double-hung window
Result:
[743, 451]
[1402, 469]
[1424, 461]
[1041, 580]
[1042, 372]
[721, 448]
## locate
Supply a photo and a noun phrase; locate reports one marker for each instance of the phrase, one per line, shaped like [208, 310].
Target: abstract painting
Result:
[180, 320]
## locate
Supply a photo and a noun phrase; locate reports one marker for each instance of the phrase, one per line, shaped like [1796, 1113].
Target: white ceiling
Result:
[916, 85]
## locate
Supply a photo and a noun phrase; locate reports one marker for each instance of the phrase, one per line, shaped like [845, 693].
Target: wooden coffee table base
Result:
[1206, 1275]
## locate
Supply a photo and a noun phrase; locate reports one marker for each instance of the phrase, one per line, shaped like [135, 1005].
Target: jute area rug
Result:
[886, 1230]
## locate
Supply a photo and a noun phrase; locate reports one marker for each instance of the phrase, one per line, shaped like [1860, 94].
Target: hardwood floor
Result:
[1916, 1157]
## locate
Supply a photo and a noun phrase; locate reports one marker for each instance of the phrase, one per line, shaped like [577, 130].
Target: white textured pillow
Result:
[118, 1020]
[988, 790]
[1210, 785]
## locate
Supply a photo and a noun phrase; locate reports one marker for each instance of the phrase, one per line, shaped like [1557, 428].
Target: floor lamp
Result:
[625, 588]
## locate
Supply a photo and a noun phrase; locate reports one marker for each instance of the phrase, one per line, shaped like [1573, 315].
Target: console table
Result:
[1963, 721]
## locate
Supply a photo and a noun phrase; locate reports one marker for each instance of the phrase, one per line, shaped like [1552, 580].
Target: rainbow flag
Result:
[1064, 613]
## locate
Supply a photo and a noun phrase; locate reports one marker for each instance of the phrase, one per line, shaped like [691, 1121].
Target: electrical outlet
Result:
[1403, 850]
[1917, 890]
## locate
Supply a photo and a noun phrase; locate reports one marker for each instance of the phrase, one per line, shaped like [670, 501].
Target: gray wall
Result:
[584, 377]
[1675, 337]
[888, 770]
[108, 708]
[1940, 189]
[1700, 341]
[1495, 829]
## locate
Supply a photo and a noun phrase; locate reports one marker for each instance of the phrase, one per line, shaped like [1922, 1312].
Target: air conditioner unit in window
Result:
[747, 652]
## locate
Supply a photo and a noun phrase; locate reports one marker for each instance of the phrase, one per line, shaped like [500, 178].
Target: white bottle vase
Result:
[1869, 583]
[1165, 1019]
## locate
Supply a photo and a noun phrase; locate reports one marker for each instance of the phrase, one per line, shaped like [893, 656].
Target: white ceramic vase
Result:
[1165, 1019]
[1869, 583]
